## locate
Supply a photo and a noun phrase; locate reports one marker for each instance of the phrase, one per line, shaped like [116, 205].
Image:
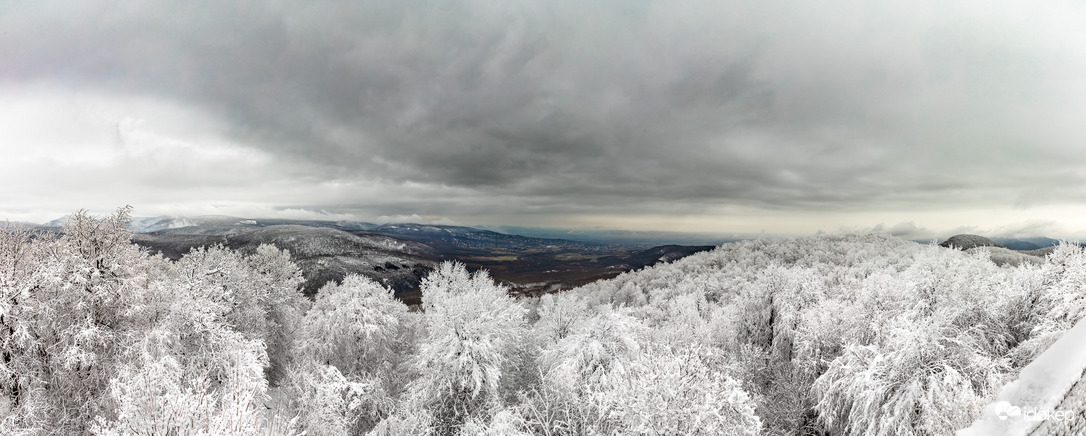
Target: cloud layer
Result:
[546, 112]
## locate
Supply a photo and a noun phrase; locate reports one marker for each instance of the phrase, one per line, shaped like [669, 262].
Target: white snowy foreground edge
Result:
[1041, 386]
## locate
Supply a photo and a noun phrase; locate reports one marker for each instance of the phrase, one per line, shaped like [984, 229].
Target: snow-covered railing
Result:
[1040, 388]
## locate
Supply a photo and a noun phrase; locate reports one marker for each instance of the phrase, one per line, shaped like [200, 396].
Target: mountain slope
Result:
[323, 253]
[966, 241]
[456, 240]
[1027, 243]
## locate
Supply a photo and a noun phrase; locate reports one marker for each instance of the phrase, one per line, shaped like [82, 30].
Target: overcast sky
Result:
[730, 116]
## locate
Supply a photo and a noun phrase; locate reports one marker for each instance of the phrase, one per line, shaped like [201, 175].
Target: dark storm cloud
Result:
[605, 106]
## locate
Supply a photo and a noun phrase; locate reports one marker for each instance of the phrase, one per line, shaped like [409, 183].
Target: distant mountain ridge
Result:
[1007, 251]
[1033, 243]
[322, 253]
[399, 255]
[967, 241]
[645, 238]
[216, 223]
[454, 239]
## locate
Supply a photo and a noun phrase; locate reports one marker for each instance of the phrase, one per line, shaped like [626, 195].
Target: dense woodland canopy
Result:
[838, 335]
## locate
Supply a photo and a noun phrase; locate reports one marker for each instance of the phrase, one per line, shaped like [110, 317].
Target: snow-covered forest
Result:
[838, 335]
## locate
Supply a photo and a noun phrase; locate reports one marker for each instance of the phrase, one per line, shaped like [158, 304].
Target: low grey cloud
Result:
[474, 108]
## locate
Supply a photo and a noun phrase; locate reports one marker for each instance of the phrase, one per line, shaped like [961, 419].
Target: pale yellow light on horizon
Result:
[1057, 221]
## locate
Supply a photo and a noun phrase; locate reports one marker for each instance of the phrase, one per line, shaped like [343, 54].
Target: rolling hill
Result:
[400, 255]
[323, 253]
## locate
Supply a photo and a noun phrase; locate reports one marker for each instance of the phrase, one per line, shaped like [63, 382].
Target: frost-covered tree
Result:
[329, 403]
[922, 377]
[258, 294]
[157, 394]
[668, 392]
[466, 360]
[352, 357]
[788, 312]
[65, 318]
[559, 317]
[1059, 303]
[93, 330]
[199, 365]
[282, 303]
[21, 272]
[604, 379]
[587, 360]
[598, 350]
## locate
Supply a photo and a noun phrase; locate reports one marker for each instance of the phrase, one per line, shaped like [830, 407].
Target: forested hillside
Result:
[400, 255]
[838, 335]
